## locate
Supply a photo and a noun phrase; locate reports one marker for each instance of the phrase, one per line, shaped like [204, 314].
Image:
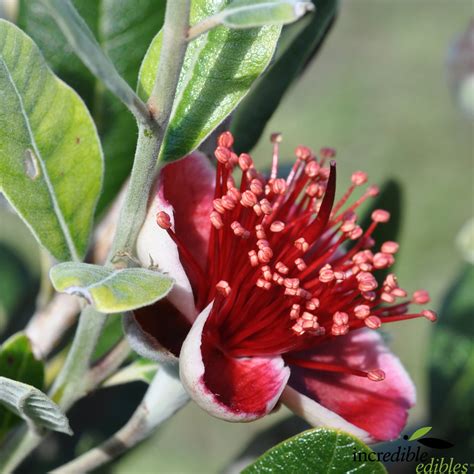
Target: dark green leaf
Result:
[218, 70]
[317, 451]
[452, 363]
[297, 45]
[17, 362]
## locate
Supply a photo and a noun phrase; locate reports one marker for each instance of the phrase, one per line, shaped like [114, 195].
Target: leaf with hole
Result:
[218, 70]
[50, 160]
[124, 31]
[33, 406]
[110, 290]
[318, 450]
[17, 362]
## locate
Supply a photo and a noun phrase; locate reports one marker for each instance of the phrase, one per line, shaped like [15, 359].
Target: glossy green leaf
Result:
[50, 159]
[141, 370]
[32, 405]
[452, 363]
[124, 30]
[298, 43]
[110, 290]
[317, 451]
[218, 70]
[17, 362]
[420, 432]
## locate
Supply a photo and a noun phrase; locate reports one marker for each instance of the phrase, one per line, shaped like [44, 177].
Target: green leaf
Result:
[252, 13]
[50, 159]
[33, 406]
[316, 451]
[298, 43]
[452, 363]
[124, 30]
[141, 370]
[110, 290]
[17, 362]
[420, 432]
[218, 70]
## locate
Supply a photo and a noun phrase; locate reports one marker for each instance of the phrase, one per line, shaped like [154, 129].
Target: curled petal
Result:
[183, 190]
[234, 389]
[378, 408]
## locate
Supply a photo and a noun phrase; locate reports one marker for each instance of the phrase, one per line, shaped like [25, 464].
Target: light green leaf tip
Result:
[419, 433]
[110, 290]
[51, 161]
[253, 13]
[32, 405]
[141, 370]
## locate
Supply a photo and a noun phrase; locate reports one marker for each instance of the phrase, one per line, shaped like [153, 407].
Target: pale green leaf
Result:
[32, 405]
[110, 290]
[251, 13]
[50, 156]
[317, 451]
[141, 370]
[218, 70]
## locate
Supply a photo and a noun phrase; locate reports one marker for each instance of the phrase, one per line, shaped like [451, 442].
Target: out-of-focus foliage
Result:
[17, 362]
[452, 366]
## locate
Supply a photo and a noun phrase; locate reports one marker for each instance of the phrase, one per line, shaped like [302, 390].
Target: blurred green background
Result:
[378, 93]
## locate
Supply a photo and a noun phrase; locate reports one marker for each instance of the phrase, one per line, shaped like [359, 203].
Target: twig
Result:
[106, 366]
[47, 326]
[165, 392]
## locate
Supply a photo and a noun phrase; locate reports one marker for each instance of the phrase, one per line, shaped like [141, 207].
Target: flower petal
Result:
[184, 190]
[157, 332]
[379, 408]
[235, 389]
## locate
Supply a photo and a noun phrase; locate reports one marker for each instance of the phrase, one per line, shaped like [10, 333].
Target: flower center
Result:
[279, 269]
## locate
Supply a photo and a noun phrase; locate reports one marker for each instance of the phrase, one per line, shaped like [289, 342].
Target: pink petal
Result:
[184, 190]
[235, 389]
[157, 332]
[379, 408]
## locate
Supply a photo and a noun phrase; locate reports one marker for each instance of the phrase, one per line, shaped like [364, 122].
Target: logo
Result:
[414, 452]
